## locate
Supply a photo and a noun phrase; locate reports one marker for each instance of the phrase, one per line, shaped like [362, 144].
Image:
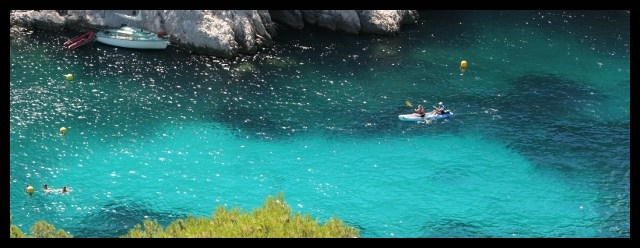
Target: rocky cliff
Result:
[222, 33]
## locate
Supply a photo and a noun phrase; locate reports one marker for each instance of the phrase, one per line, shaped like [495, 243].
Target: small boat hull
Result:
[129, 37]
[79, 40]
[413, 117]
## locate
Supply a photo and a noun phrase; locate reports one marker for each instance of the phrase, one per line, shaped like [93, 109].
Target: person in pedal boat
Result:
[420, 111]
[438, 110]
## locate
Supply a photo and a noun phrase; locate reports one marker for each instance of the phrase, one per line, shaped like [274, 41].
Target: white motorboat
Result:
[130, 37]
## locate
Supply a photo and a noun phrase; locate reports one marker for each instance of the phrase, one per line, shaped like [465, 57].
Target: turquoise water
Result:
[539, 145]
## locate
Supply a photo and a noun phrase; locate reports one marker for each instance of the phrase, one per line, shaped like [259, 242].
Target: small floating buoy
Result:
[69, 77]
[30, 189]
[63, 130]
[463, 64]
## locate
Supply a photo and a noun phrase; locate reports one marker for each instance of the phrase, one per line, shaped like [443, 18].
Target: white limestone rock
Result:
[222, 33]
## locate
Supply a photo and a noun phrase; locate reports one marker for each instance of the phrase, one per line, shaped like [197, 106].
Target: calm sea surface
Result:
[539, 145]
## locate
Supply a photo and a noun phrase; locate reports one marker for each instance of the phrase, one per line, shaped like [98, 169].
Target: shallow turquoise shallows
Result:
[539, 145]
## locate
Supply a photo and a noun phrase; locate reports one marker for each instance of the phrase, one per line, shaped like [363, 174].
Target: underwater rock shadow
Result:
[449, 228]
[553, 95]
[118, 217]
[556, 130]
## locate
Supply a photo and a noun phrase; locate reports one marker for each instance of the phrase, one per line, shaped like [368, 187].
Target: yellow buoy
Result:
[30, 189]
[463, 64]
[63, 130]
[69, 77]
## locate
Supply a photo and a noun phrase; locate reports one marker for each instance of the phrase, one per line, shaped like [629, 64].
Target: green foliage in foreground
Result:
[39, 230]
[273, 220]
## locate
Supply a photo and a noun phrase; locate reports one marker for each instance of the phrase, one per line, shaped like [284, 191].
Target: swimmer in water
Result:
[46, 188]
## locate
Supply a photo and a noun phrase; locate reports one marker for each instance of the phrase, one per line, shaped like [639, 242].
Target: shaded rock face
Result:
[350, 21]
[344, 20]
[45, 19]
[292, 18]
[221, 33]
[386, 21]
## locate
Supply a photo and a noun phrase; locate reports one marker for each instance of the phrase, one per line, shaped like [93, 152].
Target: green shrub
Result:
[43, 229]
[14, 232]
[273, 220]
[39, 230]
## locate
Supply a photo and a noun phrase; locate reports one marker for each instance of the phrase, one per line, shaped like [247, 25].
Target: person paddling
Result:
[420, 111]
[438, 110]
